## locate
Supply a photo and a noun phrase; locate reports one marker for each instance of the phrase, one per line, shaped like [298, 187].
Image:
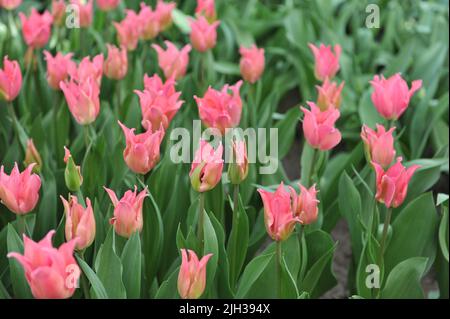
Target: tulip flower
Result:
[238, 168]
[107, 5]
[159, 102]
[220, 109]
[51, 273]
[327, 62]
[142, 150]
[129, 30]
[36, 28]
[10, 80]
[391, 96]
[306, 204]
[318, 127]
[279, 216]
[206, 169]
[392, 185]
[32, 156]
[10, 4]
[192, 275]
[80, 222]
[207, 9]
[72, 173]
[58, 68]
[127, 211]
[86, 11]
[172, 61]
[203, 34]
[379, 145]
[116, 64]
[89, 69]
[82, 99]
[252, 63]
[58, 12]
[19, 191]
[164, 11]
[329, 95]
[149, 21]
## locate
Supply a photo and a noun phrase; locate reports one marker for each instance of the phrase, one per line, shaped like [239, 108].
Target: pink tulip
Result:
[159, 102]
[379, 145]
[329, 95]
[252, 63]
[206, 169]
[392, 185]
[107, 5]
[172, 61]
[149, 20]
[306, 204]
[58, 68]
[10, 80]
[10, 4]
[220, 109]
[19, 191]
[58, 12]
[142, 150]
[80, 222]
[391, 96]
[127, 211]
[207, 9]
[89, 69]
[164, 11]
[36, 28]
[318, 127]
[238, 168]
[116, 64]
[82, 99]
[192, 275]
[279, 216]
[86, 11]
[51, 273]
[32, 156]
[327, 62]
[129, 30]
[203, 35]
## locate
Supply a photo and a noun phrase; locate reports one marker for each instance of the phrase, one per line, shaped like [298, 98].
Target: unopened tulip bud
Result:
[10, 80]
[72, 174]
[379, 145]
[252, 63]
[203, 35]
[32, 156]
[306, 204]
[326, 62]
[116, 64]
[206, 169]
[192, 275]
[238, 168]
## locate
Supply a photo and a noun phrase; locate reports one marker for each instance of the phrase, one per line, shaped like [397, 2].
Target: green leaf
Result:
[46, 217]
[181, 20]
[252, 272]
[287, 129]
[169, 288]
[131, 261]
[97, 286]
[210, 247]
[367, 111]
[443, 233]
[227, 68]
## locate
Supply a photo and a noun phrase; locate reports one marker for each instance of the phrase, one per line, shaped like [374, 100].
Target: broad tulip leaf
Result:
[252, 272]
[97, 286]
[131, 261]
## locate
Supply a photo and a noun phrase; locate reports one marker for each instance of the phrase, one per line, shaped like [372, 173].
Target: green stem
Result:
[236, 197]
[201, 218]
[311, 172]
[84, 281]
[278, 266]
[21, 224]
[387, 221]
[86, 136]
[141, 180]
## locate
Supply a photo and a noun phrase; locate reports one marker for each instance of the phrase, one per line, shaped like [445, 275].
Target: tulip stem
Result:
[201, 218]
[21, 224]
[236, 197]
[13, 116]
[278, 266]
[312, 168]
[385, 232]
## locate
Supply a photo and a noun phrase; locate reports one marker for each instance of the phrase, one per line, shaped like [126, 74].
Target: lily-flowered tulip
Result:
[238, 168]
[19, 191]
[159, 102]
[58, 12]
[89, 69]
[220, 109]
[207, 9]
[10, 4]
[192, 275]
[127, 211]
[306, 204]
[116, 64]
[164, 11]
[329, 95]
[107, 5]
[51, 273]
[142, 150]
[391, 96]
[327, 62]
[86, 11]
[392, 185]
[36, 28]
[32, 156]
[206, 169]
[80, 222]
[72, 173]
[379, 145]
[252, 63]
[279, 216]
[149, 21]
[59, 68]
[203, 35]
[318, 127]
[10, 80]
[172, 61]
[129, 30]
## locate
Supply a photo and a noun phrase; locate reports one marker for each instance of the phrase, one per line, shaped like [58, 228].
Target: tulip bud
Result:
[203, 35]
[305, 205]
[207, 9]
[32, 156]
[129, 30]
[116, 65]
[172, 61]
[192, 275]
[379, 145]
[85, 10]
[107, 5]
[58, 12]
[326, 62]
[72, 174]
[164, 11]
[329, 95]
[238, 168]
[149, 20]
[10, 4]
[36, 28]
[252, 63]
[206, 169]
[10, 80]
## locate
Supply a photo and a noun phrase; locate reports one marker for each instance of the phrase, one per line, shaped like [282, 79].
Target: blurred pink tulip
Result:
[327, 62]
[379, 145]
[19, 191]
[238, 168]
[305, 204]
[58, 12]
[391, 96]
[207, 9]
[203, 35]
[89, 69]
[149, 20]
[252, 63]
[192, 275]
[36, 28]
[206, 169]
[129, 30]
[172, 61]
[32, 156]
[329, 95]
[220, 109]
[10, 4]
[58, 68]
[164, 11]
[86, 11]
[107, 5]
[10, 80]
[116, 64]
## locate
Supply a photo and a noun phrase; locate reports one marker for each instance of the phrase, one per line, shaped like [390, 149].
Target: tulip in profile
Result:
[305, 204]
[107, 5]
[238, 168]
[19, 191]
[80, 222]
[206, 169]
[149, 20]
[142, 150]
[192, 275]
[51, 273]
[89, 69]
[86, 11]
[58, 12]
[127, 211]
[207, 9]
[379, 145]
[326, 62]
[36, 28]
[172, 61]
[318, 127]
[58, 68]
[392, 185]
[10, 4]
[129, 30]
[164, 11]
[10, 80]
[252, 63]
[391, 96]
[72, 173]
[203, 34]
[116, 64]
[329, 95]
[221, 109]
[32, 156]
